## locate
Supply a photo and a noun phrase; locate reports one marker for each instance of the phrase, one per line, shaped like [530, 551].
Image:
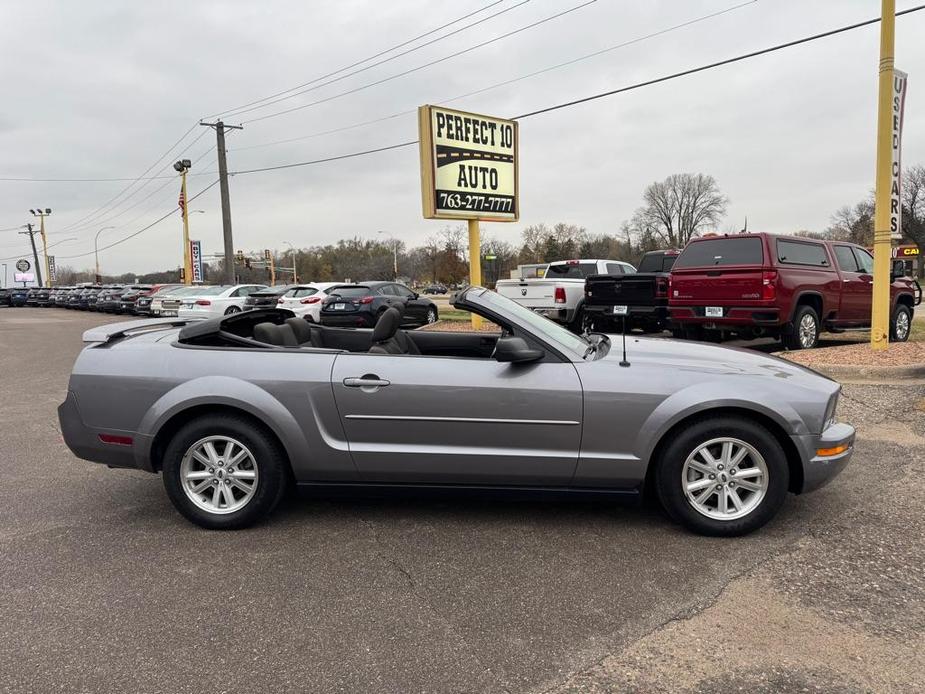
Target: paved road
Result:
[106, 589]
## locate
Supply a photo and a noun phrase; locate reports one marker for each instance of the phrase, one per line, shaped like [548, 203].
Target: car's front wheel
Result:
[223, 472]
[722, 476]
[431, 315]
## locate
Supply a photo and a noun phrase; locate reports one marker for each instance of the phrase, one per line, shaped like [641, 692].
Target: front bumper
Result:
[820, 470]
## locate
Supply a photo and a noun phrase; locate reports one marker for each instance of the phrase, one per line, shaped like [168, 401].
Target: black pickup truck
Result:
[643, 294]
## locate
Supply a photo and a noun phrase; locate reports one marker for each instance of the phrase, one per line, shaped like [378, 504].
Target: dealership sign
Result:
[52, 270]
[468, 165]
[23, 265]
[896, 137]
[195, 254]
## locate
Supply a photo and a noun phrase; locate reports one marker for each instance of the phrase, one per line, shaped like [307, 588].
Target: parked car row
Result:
[752, 285]
[329, 303]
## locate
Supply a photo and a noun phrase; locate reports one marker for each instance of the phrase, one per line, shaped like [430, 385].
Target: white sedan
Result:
[305, 300]
[216, 301]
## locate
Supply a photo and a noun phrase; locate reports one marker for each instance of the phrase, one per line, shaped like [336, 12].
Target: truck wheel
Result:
[577, 325]
[805, 333]
[722, 476]
[222, 472]
[901, 324]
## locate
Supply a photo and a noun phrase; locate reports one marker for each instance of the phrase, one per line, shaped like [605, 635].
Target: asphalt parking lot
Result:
[106, 589]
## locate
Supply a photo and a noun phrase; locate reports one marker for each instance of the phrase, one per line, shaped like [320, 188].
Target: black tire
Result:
[805, 317]
[577, 325]
[232, 309]
[273, 471]
[899, 330]
[668, 474]
[432, 315]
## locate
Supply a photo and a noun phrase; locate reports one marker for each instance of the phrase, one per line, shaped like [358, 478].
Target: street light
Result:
[295, 279]
[394, 254]
[96, 253]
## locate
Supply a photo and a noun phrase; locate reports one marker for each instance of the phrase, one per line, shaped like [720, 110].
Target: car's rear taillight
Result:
[312, 300]
[560, 295]
[116, 440]
[661, 287]
[203, 302]
[769, 285]
[367, 299]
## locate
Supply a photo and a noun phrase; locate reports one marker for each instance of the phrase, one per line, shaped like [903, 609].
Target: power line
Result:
[143, 229]
[611, 92]
[298, 91]
[359, 62]
[710, 66]
[130, 185]
[509, 81]
[425, 65]
[95, 180]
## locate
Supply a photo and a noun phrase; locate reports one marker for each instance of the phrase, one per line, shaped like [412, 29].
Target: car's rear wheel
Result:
[232, 309]
[223, 472]
[901, 324]
[722, 476]
[805, 332]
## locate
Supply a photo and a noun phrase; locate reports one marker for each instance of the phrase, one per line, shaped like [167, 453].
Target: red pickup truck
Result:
[780, 286]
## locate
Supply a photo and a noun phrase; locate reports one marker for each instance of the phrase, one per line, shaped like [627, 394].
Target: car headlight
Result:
[830, 412]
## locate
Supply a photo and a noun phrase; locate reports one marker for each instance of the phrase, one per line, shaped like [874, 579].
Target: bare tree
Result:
[853, 223]
[679, 207]
[913, 193]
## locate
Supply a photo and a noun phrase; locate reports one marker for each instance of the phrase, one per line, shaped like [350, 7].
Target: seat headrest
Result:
[266, 332]
[387, 325]
[400, 306]
[301, 328]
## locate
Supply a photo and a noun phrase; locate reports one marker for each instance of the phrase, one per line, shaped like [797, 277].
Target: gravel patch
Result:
[899, 354]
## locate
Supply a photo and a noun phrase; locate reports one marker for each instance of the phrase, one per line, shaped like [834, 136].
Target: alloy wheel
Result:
[808, 331]
[431, 315]
[725, 478]
[219, 474]
[901, 328]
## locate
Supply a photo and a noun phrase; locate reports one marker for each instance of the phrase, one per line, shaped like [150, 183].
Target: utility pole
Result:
[35, 253]
[41, 214]
[226, 199]
[880, 311]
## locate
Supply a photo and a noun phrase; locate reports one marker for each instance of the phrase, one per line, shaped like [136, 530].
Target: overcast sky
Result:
[101, 89]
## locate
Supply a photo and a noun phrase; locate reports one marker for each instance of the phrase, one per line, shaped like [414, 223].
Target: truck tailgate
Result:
[726, 285]
[632, 290]
[532, 293]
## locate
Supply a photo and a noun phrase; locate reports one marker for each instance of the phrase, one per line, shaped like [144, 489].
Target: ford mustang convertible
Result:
[233, 410]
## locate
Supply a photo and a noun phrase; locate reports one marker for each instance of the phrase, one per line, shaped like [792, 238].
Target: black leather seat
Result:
[278, 335]
[405, 342]
[383, 337]
[305, 333]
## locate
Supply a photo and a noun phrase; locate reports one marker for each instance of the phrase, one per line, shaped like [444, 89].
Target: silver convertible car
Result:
[232, 411]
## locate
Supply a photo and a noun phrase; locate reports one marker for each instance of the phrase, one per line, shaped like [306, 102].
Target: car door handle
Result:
[365, 382]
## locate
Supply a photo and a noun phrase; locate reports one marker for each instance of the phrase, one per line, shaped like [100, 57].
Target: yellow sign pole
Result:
[475, 265]
[187, 257]
[880, 311]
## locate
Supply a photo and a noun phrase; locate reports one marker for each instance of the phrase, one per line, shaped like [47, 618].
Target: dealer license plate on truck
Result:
[713, 312]
[620, 310]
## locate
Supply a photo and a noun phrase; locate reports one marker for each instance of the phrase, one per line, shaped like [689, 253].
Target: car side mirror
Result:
[414, 296]
[515, 351]
[897, 270]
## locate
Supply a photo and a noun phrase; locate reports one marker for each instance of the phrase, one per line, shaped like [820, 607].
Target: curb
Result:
[871, 374]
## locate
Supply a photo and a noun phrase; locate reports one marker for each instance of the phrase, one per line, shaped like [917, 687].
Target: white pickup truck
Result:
[560, 293]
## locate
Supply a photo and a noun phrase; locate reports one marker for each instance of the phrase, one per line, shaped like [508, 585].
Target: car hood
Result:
[704, 357]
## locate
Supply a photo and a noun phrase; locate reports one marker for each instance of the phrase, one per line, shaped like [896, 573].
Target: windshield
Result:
[183, 291]
[722, 251]
[657, 262]
[209, 291]
[542, 326]
[349, 292]
[571, 270]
